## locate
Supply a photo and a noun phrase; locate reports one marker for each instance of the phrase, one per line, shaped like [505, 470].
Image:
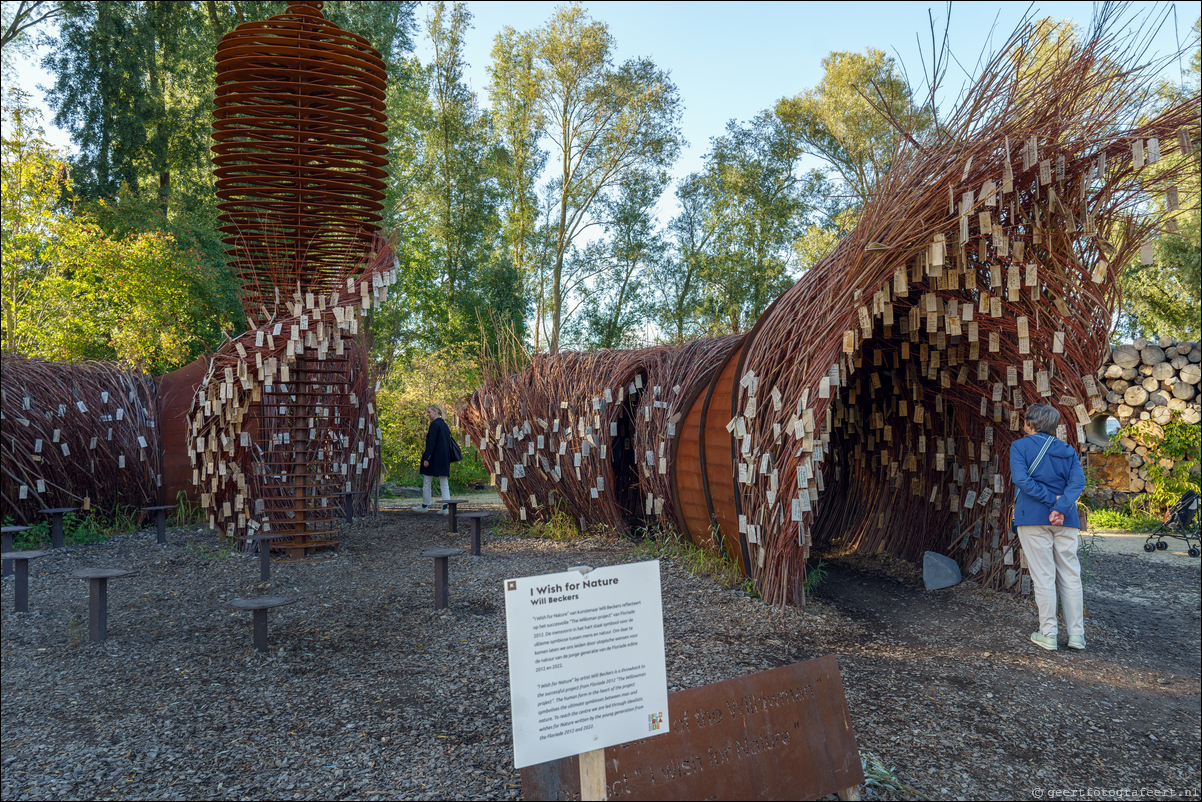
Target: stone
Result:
[1183, 392]
[1125, 356]
[939, 572]
[1162, 415]
[1130, 373]
[1163, 370]
[1165, 341]
[1150, 384]
[1120, 385]
[1191, 373]
[1135, 396]
[1191, 416]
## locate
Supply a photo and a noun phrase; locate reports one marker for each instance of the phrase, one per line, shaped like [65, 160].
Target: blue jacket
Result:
[1058, 474]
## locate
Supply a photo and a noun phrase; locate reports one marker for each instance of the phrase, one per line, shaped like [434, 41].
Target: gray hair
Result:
[1043, 418]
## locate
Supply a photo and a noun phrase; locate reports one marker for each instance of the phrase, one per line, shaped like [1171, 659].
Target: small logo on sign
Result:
[655, 721]
[511, 585]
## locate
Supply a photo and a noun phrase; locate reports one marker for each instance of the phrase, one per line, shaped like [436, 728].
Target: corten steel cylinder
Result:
[300, 157]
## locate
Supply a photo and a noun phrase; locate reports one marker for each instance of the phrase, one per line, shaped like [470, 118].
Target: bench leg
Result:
[98, 598]
[21, 580]
[264, 561]
[260, 625]
[160, 520]
[8, 546]
[441, 596]
[453, 509]
[475, 537]
[349, 506]
[56, 530]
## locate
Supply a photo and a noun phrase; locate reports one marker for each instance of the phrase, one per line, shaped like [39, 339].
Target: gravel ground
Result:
[370, 694]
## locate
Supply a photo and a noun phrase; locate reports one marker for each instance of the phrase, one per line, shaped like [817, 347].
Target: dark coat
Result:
[1059, 474]
[438, 449]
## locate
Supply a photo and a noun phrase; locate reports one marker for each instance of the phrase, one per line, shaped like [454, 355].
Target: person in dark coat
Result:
[436, 459]
[1049, 478]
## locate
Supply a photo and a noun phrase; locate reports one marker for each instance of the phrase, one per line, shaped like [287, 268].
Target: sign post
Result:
[586, 665]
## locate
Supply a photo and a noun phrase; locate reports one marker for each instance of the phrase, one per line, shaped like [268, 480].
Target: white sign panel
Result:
[586, 660]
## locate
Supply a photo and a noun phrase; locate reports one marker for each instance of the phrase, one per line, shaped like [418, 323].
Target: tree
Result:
[516, 116]
[602, 120]
[1165, 297]
[614, 306]
[840, 120]
[32, 180]
[751, 175]
[17, 20]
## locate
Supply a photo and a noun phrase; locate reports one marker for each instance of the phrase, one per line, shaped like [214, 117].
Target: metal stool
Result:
[441, 589]
[160, 519]
[56, 524]
[476, 518]
[20, 560]
[7, 533]
[259, 607]
[98, 600]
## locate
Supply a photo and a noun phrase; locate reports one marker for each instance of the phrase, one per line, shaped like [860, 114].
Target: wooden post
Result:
[592, 776]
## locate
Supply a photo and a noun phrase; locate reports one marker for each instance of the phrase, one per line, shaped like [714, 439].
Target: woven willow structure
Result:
[873, 404]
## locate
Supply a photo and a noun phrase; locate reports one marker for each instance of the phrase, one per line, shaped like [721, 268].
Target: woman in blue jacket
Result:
[1049, 479]
[436, 459]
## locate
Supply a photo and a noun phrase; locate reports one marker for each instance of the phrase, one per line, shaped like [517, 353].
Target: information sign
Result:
[586, 660]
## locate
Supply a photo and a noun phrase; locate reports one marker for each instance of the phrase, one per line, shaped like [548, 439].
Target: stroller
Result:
[1181, 521]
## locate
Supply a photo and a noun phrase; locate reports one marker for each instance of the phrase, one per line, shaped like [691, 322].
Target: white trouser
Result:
[428, 486]
[1051, 553]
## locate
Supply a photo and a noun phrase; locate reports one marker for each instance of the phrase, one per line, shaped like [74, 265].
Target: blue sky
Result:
[732, 60]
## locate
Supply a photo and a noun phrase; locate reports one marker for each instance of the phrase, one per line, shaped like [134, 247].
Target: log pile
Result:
[1147, 384]
[1153, 380]
[76, 435]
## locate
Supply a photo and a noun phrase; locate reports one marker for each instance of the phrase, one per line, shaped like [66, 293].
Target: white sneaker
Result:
[444, 511]
[1044, 641]
[420, 508]
[1077, 642]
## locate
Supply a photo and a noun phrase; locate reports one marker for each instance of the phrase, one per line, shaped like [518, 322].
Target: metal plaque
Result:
[779, 734]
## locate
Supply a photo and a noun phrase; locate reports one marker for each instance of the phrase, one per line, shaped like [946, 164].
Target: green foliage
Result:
[604, 120]
[1086, 549]
[814, 577]
[1172, 462]
[445, 377]
[877, 775]
[841, 119]
[1105, 519]
[81, 528]
[186, 513]
[669, 544]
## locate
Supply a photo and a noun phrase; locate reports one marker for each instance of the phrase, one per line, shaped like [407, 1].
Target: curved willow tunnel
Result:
[590, 433]
[874, 403]
[79, 435]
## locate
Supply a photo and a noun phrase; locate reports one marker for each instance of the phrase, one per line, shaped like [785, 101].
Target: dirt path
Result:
[945, 687]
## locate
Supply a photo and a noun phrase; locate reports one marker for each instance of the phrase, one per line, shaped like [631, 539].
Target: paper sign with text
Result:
[586, 660]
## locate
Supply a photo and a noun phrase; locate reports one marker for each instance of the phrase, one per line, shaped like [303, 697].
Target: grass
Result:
[1086, 549]
[671, 545]
[186, 512]
[1124, 521]
[814, 577]
[877, 775]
